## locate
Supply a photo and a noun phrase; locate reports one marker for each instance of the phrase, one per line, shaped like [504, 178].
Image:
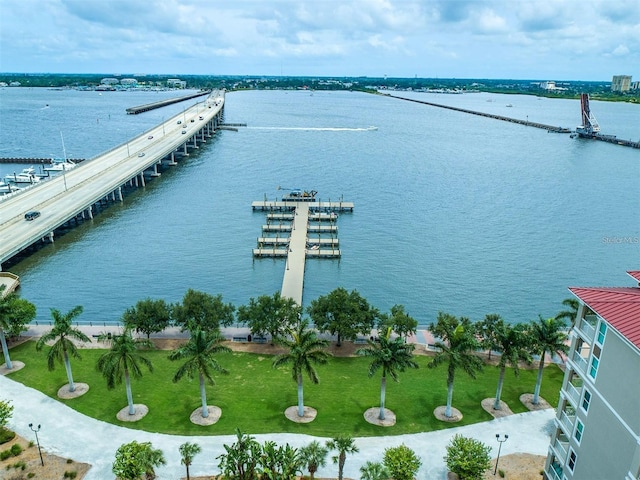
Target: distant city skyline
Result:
[496, 39]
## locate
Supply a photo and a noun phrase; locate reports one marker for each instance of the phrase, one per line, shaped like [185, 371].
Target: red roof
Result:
[620, 307]
[635, 274]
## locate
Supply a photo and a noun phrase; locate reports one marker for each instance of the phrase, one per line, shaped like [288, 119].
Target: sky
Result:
[500, 39]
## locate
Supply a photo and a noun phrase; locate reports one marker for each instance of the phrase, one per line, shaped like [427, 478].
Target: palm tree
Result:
[314, 456]
[572, 304]
[187, 452]
[547, 336]
[456, 348]
[124, 361]
[14, 313]
[305, 351]
[344, 444]
[62, 332]
[514, 344]
[200, 352]
[392, 356]
[373, 471]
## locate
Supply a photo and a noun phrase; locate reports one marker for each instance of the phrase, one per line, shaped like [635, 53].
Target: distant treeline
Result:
[565, 89]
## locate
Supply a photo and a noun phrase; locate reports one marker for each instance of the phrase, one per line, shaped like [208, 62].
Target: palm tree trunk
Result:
[300, 397]
[496, 404]
[203, 397]
[536, 392]
[339, 342]
[341, 459]
[5, 350]
[67, 366]
[127, 383]
[187, 465]
[447, 411]
[383, 391]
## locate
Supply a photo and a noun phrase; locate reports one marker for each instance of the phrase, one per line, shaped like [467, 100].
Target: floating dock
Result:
[292, 220]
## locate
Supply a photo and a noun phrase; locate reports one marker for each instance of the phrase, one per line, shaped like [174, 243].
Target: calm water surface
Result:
[453, 212]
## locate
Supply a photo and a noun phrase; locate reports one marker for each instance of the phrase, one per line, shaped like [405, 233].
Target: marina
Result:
[298, 223]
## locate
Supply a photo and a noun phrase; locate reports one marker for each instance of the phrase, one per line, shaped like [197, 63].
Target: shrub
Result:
[467, 457]
[5, 454]
[6, 435]
[501, 473]
[16, 449]
[69, 460]
[71, 474]
[20, 465]
[31, 475]
[401, 462]
[6, 410]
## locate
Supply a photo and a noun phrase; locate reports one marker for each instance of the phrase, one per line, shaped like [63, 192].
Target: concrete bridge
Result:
[76, 193]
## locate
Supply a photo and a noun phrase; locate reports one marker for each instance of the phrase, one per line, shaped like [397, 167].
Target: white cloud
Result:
[461, 38]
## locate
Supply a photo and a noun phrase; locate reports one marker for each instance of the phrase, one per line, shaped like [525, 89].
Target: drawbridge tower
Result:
[589, 126]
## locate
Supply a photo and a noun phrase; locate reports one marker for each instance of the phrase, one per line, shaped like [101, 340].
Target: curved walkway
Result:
[70, 434]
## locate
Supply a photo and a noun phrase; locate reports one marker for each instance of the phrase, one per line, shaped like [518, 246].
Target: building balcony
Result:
[581, 363]
[561, 449]
[587, 327]
[573, 393]
[554, 472]
[567, 422]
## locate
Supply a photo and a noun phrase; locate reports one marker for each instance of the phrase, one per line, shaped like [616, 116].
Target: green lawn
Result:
[253, 396]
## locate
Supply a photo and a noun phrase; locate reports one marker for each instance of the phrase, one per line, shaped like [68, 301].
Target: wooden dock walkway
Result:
[293, 280]
[296, 220]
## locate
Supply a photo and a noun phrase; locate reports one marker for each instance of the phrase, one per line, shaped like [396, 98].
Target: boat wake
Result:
[318, 129]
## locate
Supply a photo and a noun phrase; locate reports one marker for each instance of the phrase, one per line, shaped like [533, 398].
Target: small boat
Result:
[59, 165]
[7, 187]
[298, 195]
[27, 175]
[509, 105]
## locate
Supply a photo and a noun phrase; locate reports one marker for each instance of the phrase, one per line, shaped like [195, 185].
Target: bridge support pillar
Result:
[195, 144]
[155, 172]
[120, 194]
[49, 237]
[142, 179]
[172, 159]
[89, 212]
[185, 153]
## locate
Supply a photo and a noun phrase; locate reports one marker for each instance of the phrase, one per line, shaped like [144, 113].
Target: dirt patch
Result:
[527, 401]
[518, 466]
[372, 415]
[308, 414]
[504, 411]
[54, 466]
[439, 413]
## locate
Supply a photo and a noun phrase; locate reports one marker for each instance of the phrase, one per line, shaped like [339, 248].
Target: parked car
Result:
[32, 215]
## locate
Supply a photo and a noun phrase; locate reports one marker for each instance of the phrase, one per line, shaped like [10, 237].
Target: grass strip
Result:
[253, 396]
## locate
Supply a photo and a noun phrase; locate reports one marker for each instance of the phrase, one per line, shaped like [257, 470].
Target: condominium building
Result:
[621, 83]
[597, 426]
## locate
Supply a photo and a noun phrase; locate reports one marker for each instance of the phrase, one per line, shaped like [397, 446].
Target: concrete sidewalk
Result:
[68, 433]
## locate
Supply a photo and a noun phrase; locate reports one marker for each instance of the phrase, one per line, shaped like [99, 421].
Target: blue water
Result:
[453, 212]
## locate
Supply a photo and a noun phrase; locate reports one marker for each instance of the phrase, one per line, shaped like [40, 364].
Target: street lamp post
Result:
[500, 442]
[36, 430]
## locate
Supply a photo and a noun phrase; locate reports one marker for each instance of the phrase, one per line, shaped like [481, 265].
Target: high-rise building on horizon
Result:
[621, 83]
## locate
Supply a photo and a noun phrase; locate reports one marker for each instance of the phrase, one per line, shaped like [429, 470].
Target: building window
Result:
[602, 330]
[586, 400]
[572, 460]
[595, 361]
[579, 430]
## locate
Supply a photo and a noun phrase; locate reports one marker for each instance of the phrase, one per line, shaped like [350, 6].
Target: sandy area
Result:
[54, 467]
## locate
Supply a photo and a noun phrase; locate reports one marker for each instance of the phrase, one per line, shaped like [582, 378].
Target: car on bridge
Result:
[149, 137]
[32, 215]
[141, 154]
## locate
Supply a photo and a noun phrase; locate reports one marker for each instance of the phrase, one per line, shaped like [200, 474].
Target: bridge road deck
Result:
[61, 198]
[293, 280]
